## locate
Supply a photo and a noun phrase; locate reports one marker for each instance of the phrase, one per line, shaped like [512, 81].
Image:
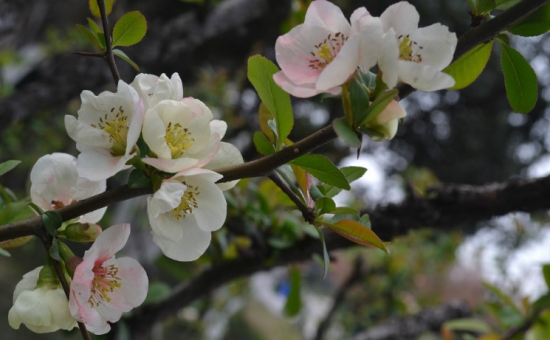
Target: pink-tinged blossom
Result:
[55, 184]
[179, 134]
[184, 212]
[104, 287]
[324, 52]
[40, 303]
[415, 55]
[106, 131]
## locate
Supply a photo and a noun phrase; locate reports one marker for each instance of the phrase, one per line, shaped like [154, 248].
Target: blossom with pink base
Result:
[104, 287]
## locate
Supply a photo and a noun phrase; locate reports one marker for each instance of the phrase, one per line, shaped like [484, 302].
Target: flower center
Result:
[178, 139]
[188, 202]
[326, 51]
[117, 129]
[409, 50]
[104, 283]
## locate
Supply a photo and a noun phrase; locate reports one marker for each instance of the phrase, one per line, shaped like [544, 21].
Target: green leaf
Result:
[502, 296]
[322, 168]
[94, 8]
[485, 6]
[326, 258]
[346, 133]
[129, 29]
[52, 222]
[546, 274]
[468, 325]
[138, 179]
[124, 57]
[324, 205]
[54, 250]
[351, 173]
[4, 253]
[294, 299]
[260, 74]
[520, 80]
[90, 36]
[262, 144]
[360, 100]
[358, 233]
[505, 4]
[369, 79]
[15, 211]
[101, 38]
[542, 302]
[7, 166]
[535, 24]
[344, 210]
[157, 291]
[365, 220]
[467, 68]
[93, 26]
[378, 105]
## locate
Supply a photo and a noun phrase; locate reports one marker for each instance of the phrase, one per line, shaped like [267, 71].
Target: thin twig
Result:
[524, 326]
[108, 56]
[308, 213]
[47, 242]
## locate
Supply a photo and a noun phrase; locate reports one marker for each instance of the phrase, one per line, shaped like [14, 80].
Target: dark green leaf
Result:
[7, 166]
[520, 80]
[52, 222]
[505, 4]
[351, 173]
[485, 6]
[94, 8]
[15, 211]
[94, 27]
[101, 38]
[124, 57]
[467, 68]
[129, 29]
[546, 274]
[90, 36]
[324, 205]
[378, 105]
[535, 24]
[315, 192]
[344, 210]
[262, 144]
[260, 74]
[346, 133]
[294, 299]
[54, 250]
[359, 98]
[542, 302]
[365, 220]
[322, 168]
[326, 258]
[138, 179]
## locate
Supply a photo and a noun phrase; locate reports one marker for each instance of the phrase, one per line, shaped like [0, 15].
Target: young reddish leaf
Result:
[304, 182]
[94, 8]
[467, 68]
[129, 29]
[358, 233]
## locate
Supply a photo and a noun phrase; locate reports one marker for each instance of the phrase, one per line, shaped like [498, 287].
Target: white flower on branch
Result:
[152, 89]
[106, 131]
[184, 212]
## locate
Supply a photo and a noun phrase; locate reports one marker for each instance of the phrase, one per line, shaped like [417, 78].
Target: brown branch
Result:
[308, 213]
[524, 326]
[108, 56]
[450, 206]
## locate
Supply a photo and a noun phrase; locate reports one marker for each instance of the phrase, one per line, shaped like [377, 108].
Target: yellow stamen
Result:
[117, 129]
[325, 53]
[188, 202]
[178, 139]
[406, 51]
[104, 283]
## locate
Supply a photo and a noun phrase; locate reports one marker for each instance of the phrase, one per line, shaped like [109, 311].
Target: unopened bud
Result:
[71, 260]
[81, 232]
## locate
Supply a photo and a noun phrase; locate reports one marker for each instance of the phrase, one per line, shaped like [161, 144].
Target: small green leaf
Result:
[15, 211]
[322, 168]
[4, 253]
[262, 144]
[277, 101]
[101, 39]
[505, 4]
[467, 68]
[94, 8]
[52, 222]
[359, 98]
[93, 26]
[294, 299]
[378, 105]
[485, 6]
[157, 291]
[542, 302]
[54, 250]
[369, 79]
[138, 179]
[370, 132]
[520, 80]
[535, 24]
[344, 210]
[324, 205]
[546, 274]
[326, 258]
[351, 173]
[124, 57]
[129, 29]
[7, 166]
[358, 233]
[502, 296]
[345, 133]
[365, 220]
[90, 36]
[468, 325]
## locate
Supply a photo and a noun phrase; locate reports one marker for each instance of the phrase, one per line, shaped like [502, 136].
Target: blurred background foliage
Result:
[467, 137]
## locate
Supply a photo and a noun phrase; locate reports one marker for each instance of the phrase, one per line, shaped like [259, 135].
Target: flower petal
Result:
[424, 77]
[342, 67]
[327, 15]
[438, 45]
[109, 242]
[171, 165]
[98, 164]
[300, 91]
[84, 133]
[219, 127]
[402, 17]
[167, 197]
[190, 247]
[154, 132]
[389, 58]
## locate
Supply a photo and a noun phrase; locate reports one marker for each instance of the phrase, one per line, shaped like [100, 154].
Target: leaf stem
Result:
[309, 214]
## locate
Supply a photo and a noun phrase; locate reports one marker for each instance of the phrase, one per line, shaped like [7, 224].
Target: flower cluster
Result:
[183, 147]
